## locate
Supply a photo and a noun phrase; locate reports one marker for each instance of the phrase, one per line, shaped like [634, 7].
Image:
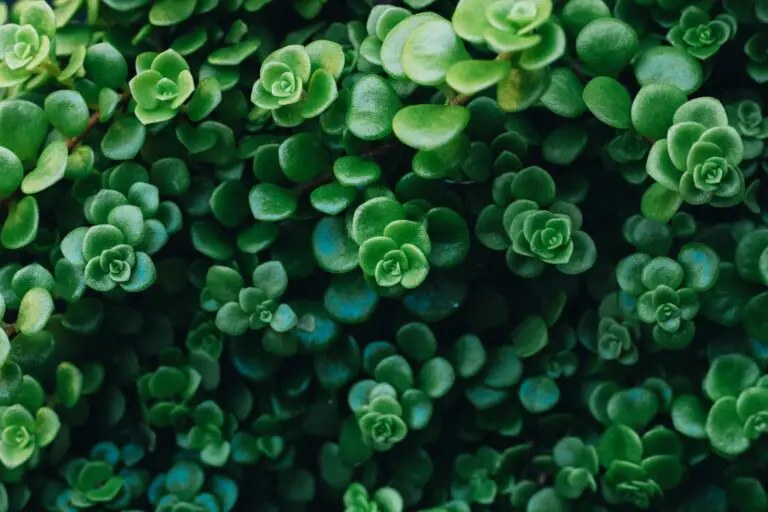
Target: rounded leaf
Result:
[607, 45]
[67, 112]
[609, 101]
[428, 127]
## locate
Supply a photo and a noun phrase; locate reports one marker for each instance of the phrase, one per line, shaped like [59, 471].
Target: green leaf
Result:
[725, 429]
[619, 442]
[327, 55]
[271, 203]
[332, 198]
[449, 238]
[429, 52]
[469, 77]
[539, 394]
[609, 101]
[20, 228]
[564, 94]
[469, 19]
[166, 13]
[522, 88]
[69, 384]
[334, 250]
[11, 172]
[292, 155]
[394, 42]
[468, 355]
[428, 127]
[670, 66]
[106, 66]
[321, 92]
[654, 107]
[564, 145]
[67, 112]
[143, 274]
[49, 170]
[689, 416]
[354, 171]
[701, 264]
[547, 500]
[373, 216]
[35, 310]
[204, 100]
[349, 300]
[124, 138]
[607, 45]
[660, 203]
[746, 494]
[372, 107]
[417, 341]
[706, 111]
[436, 377]
[417, 409]
[234, 55]
[754, 318]
[634, 407]
[729, 375]
[530, 337]
[24, 143]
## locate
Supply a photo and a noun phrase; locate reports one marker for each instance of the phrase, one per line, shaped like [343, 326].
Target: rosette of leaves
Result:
[617, 340]
[26, 48]
[699, 35]
[473, 476]
[520, 27]
[239, 308]
[166, 392]
[385, 499]
[116, 251]
[756, 49]
[667, 291]
[393, 250]
[542, 236]
[578, 465]
[696, 163]
[186, 487]
[381, 422]
[207, 435]
[746, 116]
[205, 337]
[639, 470]
[161, 89]
[105, 479]
[739, 415]
[22, 435]
[299, 82]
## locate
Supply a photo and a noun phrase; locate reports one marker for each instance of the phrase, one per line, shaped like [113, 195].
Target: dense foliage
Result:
[383, 256]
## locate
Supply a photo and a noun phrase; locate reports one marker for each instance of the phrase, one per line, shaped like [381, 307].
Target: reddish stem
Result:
[93, 121]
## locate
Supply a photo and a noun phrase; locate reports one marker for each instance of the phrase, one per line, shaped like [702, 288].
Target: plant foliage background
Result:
[383, 256]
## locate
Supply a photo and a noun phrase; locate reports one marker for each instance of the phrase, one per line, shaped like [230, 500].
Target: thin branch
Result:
[93, 121]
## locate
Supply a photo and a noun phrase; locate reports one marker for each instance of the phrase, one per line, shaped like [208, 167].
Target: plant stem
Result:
[93, 121]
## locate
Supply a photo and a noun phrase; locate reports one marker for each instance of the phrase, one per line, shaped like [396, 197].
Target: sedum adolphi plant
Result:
[383, 256]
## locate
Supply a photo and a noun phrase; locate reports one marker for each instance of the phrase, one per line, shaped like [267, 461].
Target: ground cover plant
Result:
[383, 256]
